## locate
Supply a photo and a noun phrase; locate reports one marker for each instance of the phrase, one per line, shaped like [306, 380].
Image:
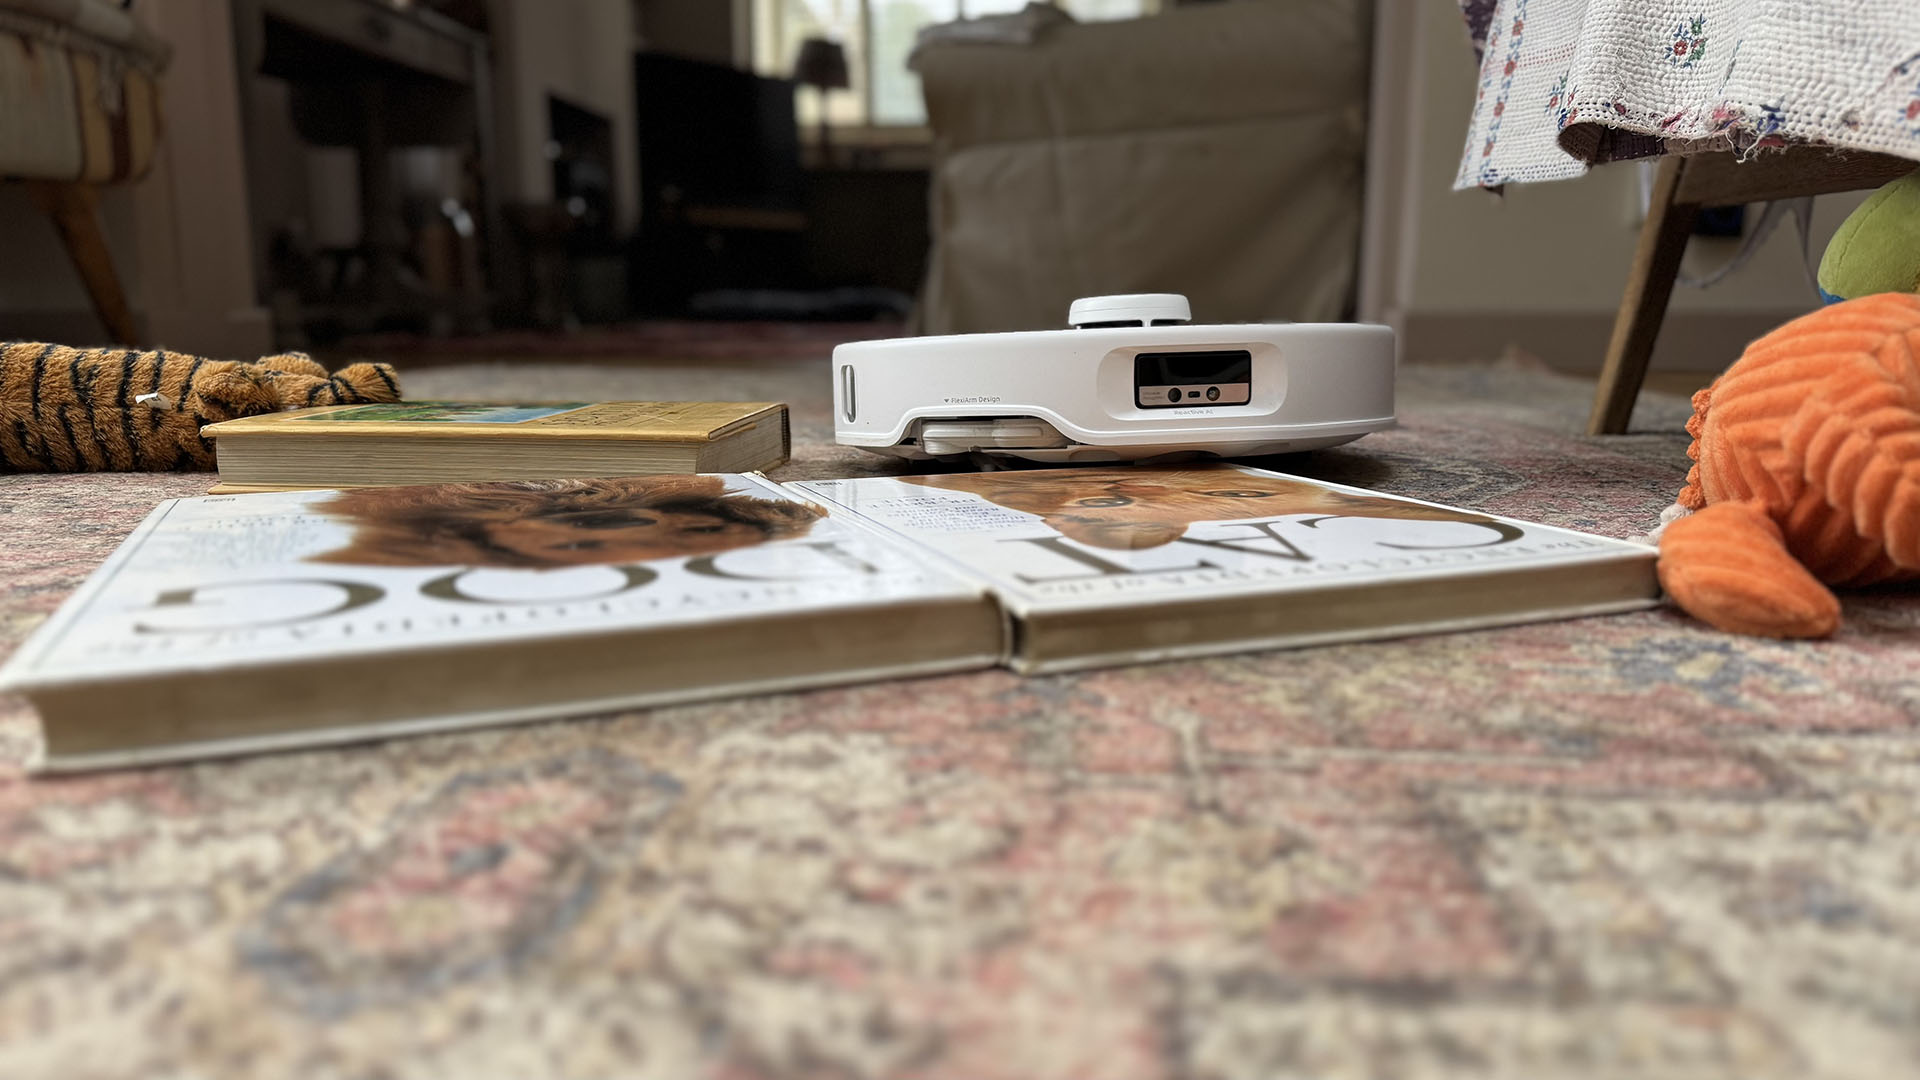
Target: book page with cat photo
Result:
[1060, 539]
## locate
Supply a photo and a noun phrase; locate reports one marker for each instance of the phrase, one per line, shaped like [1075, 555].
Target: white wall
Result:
[1542, 266]
[191, 212]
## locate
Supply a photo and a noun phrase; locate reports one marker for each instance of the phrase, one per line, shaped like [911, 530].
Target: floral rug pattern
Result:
[1611, 847]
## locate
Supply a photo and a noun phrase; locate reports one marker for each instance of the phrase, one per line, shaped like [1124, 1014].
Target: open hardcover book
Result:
[231, 624]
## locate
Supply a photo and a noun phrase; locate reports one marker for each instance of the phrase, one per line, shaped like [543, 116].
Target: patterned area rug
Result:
[1619, 847]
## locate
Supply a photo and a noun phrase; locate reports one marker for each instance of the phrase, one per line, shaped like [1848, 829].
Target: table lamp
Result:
[822, 64]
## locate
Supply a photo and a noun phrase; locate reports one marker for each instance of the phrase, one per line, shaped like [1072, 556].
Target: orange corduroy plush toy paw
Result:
[1807, 471]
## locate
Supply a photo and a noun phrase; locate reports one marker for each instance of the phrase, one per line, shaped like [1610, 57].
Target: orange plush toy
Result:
[1808, 471]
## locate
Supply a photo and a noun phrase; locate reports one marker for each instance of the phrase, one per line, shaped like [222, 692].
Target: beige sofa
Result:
[79, 107]
[1214, 150]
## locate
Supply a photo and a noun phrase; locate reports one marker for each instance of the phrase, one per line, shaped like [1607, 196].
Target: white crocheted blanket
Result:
[1568, 83]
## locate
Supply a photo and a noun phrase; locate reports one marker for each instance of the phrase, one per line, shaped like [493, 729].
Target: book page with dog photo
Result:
[1055, 541]
[289, 576]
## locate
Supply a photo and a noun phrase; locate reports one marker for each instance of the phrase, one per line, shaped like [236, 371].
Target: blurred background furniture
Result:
[79, 109]
[1684, 186]
[1213, 150]
[721, 187]
[735, 222]
[1807, 99]
[822, 65]
[377, 79]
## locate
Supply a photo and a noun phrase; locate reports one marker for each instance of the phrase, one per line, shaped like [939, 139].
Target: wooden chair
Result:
[81, 110]
[1683, 186]
[75, 211]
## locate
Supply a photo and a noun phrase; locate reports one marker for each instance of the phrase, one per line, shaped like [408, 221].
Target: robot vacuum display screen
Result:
[1163, 380]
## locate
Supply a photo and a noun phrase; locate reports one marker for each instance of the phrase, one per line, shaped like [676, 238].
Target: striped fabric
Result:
[74, 106]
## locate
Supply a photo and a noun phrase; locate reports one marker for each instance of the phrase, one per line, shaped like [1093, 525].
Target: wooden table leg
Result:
[75, 210]
[1656, 263]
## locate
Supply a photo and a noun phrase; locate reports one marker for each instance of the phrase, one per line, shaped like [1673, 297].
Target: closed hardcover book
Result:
[228, 624]
[434, 442]
[1110, 565]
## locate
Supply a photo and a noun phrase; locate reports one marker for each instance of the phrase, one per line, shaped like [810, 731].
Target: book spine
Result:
[1011, 606]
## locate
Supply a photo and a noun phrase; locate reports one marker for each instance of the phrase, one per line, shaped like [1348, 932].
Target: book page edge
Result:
[44, 764]
[1337, 637]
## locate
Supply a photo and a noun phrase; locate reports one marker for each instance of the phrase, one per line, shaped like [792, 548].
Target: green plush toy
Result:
[1877, 249]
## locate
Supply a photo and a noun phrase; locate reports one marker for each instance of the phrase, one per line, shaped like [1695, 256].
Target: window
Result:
[877, 36]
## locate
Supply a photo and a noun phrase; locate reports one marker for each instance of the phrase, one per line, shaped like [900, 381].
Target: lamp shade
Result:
[821, 64]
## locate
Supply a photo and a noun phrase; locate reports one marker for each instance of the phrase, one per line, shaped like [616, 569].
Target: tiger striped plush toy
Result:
[130, 410]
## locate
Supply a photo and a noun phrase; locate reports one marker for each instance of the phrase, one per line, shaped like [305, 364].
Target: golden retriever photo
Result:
[544, 524]
[1128, 509]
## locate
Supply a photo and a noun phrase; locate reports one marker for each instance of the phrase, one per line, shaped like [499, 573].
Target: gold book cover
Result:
[660, 421]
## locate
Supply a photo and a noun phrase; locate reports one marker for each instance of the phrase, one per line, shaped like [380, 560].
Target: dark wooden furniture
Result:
[1684, 185]
[378, 76]
[722, 193]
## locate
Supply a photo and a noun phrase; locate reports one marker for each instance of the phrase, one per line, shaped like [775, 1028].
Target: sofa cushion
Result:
[1214, 151]
[1251, 220]
[1190, 66]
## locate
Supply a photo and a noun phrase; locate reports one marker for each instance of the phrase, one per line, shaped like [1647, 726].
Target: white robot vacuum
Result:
[1131, 380]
